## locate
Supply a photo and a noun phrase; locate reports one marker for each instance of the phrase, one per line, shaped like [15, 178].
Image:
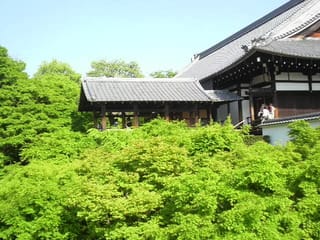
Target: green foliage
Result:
[33, 107]
[116, 68]
[33, 201]
[62, 144]
[56, 68]
[163, 74]
[303, 136]
[160, 181]
[215, 138]
[10, 70]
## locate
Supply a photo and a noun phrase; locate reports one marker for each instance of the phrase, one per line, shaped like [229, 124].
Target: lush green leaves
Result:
[160, 181]
[10, 70]
[116, 68]
[56, 68]
[163, 74]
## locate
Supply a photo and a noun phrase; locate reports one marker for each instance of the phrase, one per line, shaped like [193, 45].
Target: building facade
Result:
[273, 60]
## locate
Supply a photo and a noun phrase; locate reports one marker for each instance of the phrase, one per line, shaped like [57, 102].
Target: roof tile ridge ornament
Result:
[195, 58]
[263, 40]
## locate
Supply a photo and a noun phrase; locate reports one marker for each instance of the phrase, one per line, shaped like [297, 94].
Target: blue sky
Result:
[159, 35]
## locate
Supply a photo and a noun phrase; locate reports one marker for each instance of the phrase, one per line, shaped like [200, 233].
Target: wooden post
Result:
[310, 82]
[95, 119]
[103, 117]
[196, 114]
[240, 111]
[123, 119]
[135, 115]
[166, 112]
[209, 114]
[251, 105]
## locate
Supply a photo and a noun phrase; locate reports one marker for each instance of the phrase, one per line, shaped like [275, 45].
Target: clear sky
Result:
[157, 34]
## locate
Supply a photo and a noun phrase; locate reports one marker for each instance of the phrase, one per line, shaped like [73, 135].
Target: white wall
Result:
[234, 112]
[245, 110]
[222, 112]
[280, 86]
[279, 133]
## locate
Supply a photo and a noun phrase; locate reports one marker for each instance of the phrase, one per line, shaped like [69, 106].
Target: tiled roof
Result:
[149, 90]
[308, 48]
[291, 18]
[305, 117]
[222, 96]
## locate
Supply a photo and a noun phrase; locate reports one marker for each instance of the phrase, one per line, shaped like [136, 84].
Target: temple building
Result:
[136, 100]
[275, 60]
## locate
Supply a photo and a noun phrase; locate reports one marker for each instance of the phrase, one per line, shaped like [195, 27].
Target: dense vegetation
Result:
[60, 179]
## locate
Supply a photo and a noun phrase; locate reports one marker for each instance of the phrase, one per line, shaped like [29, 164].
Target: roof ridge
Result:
[115, 79]
[268, 17]
[309, 4]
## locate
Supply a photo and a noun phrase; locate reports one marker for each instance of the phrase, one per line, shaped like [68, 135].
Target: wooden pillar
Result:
[310, 82]
[95, 119]
[103, 117]
[209, 114]
[240, 111]
[166, 112]
[196, 113]
[123, 119]
[135, 115]
[251, 105]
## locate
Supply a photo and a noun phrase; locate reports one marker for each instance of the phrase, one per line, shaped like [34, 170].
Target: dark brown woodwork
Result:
[123, 120]
[196, 113]
[166, 112]
[295, 103]
[135, 115]
[103, 117]
[310, 82]
[240, 112]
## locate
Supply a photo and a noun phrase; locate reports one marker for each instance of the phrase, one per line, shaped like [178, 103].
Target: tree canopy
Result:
[163, 74]
[116, 68]
[62, 179]
[10, 70]
[58, 69]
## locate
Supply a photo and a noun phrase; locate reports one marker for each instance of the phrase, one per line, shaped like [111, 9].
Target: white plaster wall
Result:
[279, 134]
[260, 79]
[245, 110]
[222, 112]
[316, 77]
[282, 76]
[315, 86]
[234, 112]
[292, 76]
[292, 86]
[297, 77]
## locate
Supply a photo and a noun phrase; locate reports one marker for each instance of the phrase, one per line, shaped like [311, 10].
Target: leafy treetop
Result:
[10, 70]
[163, 74]
[57, 68]
[116, 68]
